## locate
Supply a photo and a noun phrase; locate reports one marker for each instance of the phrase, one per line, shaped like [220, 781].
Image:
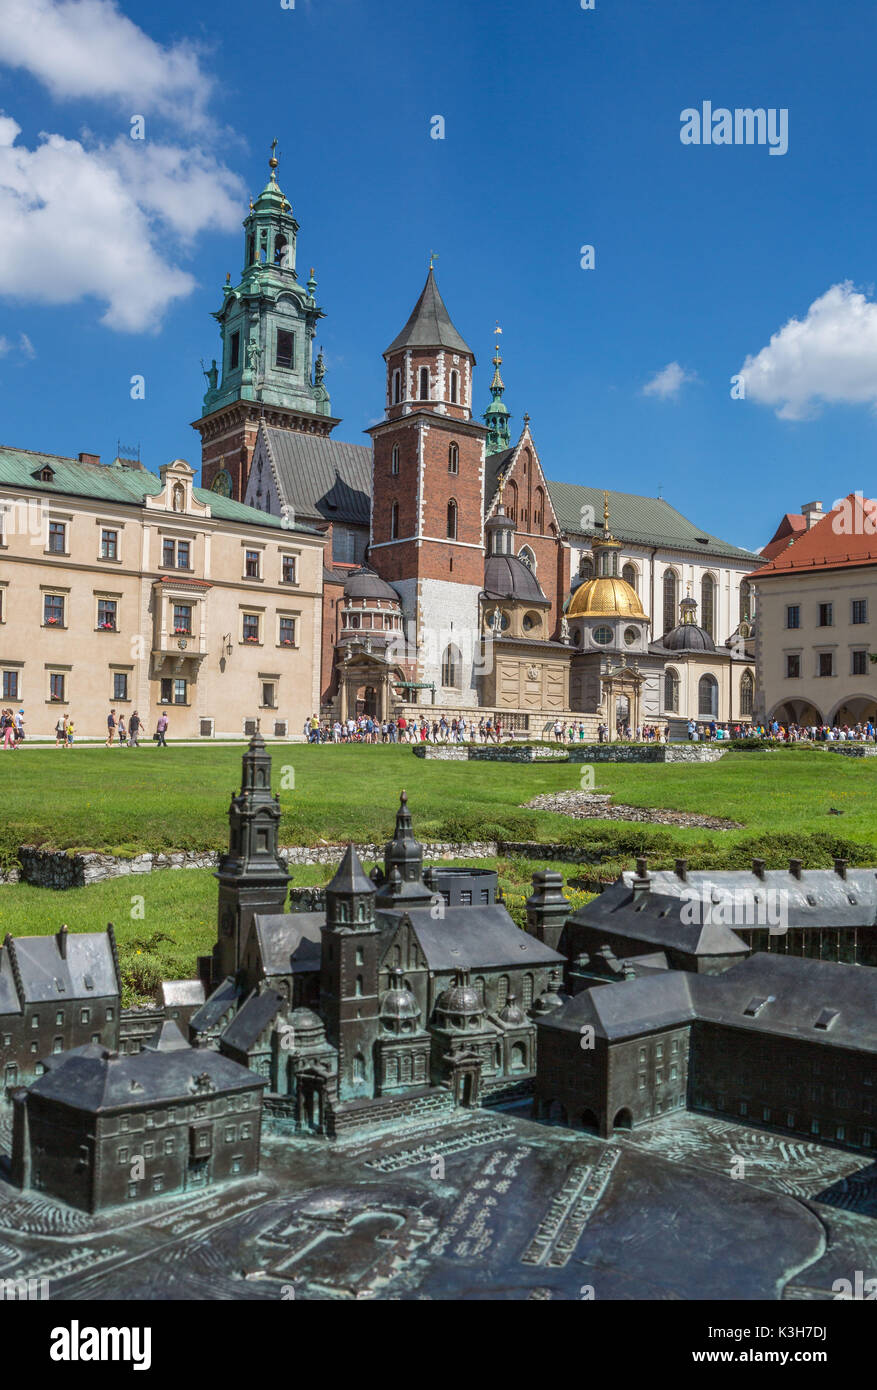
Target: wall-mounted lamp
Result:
[226, 642]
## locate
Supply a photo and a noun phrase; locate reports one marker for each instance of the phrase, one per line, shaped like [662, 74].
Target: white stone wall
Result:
[442, 612]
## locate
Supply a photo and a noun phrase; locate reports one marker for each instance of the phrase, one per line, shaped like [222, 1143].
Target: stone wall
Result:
[853, 750]
[575, 753]
[501, 753]
[354, 1116]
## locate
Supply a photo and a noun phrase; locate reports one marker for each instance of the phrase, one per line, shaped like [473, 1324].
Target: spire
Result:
[430, 324]
[605, 547]
[497, 415]
[403, 854]
[688, 607]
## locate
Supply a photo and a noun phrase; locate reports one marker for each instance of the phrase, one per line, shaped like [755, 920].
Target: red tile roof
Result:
[845, 538]
[792, 525]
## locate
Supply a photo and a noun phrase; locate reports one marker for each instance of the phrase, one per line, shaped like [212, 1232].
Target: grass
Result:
[124, 801]
[164, 921]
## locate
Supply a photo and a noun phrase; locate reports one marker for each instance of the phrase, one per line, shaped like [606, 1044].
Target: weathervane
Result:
[433, 256]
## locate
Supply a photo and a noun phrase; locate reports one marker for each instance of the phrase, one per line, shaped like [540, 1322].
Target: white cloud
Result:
[828, 357]
[26, 351]
[668, 382]
[106, 221]
[88, 49]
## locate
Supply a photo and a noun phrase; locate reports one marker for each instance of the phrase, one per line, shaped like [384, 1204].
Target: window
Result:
[56, 686]
[53, 610]
[629, 575]
[603, 635]
[452, 663]
[671, 691]
[453, 459]
[745, 601]
[860, 663]
[111, 1014]
[251, 564]
[455, 387]
[793, 666]
[109, 545]
[747, 691]
[173, 691]
[168, 552]
[288, 569]
[183, 554]
[58, 537]
[234, 352]
[793, 615]
[826, 614]
[708, 604]
[281, 256]
[539, 512]
[826, 663]
[268, 695]
[285, 354]
[107, 611]
[708, 696]
[183, 618]
[120, 685]
[424, 383]
[397, 386]
[394, 460]
[251, 627]
[10, 685]
[670, 604]
[287, 632]
[859, 612]
[452, 520]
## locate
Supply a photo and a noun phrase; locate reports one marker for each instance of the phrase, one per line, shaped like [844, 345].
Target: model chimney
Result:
[61, 938]
[547, 908]
[840, 867]
[795, 867]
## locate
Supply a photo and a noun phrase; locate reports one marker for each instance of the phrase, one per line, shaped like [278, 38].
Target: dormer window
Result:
[826, 1019]
[44, 475]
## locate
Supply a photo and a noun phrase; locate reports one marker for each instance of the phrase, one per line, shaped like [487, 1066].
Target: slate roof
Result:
[223, 998]
[663, 999]
[115, 483]
[87, 972]
[289, 942]
[830, 545]
[430, 324]
[475, 938]
[90, 1078]
[641, 520]
[836, 901]
[505, 576]
[321, 477]
[615, 911]
[250, 1022]
[9, 1000]
[176, 993]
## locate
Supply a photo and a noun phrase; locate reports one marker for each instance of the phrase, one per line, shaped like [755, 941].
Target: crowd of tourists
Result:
[365, 729]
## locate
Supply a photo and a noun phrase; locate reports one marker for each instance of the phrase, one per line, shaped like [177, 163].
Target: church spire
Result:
[496, 416]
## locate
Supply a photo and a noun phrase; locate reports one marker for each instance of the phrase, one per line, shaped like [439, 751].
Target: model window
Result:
[826, 615]
[452, 663]
[745, 601]
[281, 256]
[747, 691]
[288, 572]
[394, 521]
[859, 610]
[670, 603]
[268, 695]
[708, 696]
[455, 387]
[671, 691]
[397, 386]
[183, 554]
[629, 575]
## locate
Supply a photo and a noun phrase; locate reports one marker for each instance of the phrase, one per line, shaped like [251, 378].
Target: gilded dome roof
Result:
[605, 597]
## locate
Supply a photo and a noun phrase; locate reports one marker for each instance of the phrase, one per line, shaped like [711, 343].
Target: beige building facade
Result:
[122, 590]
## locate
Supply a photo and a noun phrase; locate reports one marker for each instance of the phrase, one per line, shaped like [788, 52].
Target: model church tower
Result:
[349, 976]
[427, 532]
[267, 324]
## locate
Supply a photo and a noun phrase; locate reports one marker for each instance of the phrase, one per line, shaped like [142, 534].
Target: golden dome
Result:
[606, 597]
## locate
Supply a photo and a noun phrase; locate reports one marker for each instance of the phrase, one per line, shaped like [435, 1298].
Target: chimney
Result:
[547, 908]
[840, 867]
[641, 883]
[61, 938]
[681, 868]
[795, 868]
[812, 512]
[89, 458]
[758, 868]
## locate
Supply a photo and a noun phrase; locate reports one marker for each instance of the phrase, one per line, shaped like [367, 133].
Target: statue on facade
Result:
[211, 373]
[564, 629]
[253, 355]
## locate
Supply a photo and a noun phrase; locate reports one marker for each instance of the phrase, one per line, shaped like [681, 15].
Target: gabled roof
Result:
[223, 998]
[662, 999]
[249, 1023]
[641, 520]
[474, 938]
[289, 942]
[430, 324]
[793, 525]
[845, 538]
[114, 482]
[655, 918]
[321, 478]
[88, 970]
[177, 993]
[9, 1000]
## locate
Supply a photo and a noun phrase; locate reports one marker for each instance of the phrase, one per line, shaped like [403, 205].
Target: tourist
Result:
[19, 727]
[69, 730]
[111, 728]
[7, 729]
[161, 730]
[61, 731]
[134, 730]
[123, 734]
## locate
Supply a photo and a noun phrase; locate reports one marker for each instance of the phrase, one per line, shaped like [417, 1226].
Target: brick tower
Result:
[427, 534]
[267, 325]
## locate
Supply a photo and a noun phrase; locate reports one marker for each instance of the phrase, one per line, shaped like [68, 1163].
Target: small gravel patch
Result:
[594, 805]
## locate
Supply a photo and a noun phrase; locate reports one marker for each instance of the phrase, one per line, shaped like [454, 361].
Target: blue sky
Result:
[562, 129]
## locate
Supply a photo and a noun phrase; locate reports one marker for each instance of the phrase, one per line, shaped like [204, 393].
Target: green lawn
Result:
[127, 800]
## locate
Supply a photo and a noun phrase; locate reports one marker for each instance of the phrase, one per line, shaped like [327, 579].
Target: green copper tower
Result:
[497, 416]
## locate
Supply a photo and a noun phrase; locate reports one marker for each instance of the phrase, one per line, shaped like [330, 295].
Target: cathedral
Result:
[457, 576]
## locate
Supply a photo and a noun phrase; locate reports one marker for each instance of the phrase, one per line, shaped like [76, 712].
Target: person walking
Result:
[111, 728]
[61, 731]
[69, 731]
[123, 733]
[19, 727]
[134, 730]
[7, 727]
[161, 730]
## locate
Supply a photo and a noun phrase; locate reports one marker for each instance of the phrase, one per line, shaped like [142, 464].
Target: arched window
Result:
[539, 512]
[452, 520]
[263, 246]
[251, 249]
[394, 521]
[281, 251]
[708, 697]
[708, 604]
[630, 575]
[455, 387]
[424, 383]
[747, 691]
[397, 386]
[394, 463]
[586, 568]
[452, 665]
[745, 601]
[359, 1067]
[511, 501]
[453, 459]
[526, 557]
[671, 691]
[502, 991]
[671, 607]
